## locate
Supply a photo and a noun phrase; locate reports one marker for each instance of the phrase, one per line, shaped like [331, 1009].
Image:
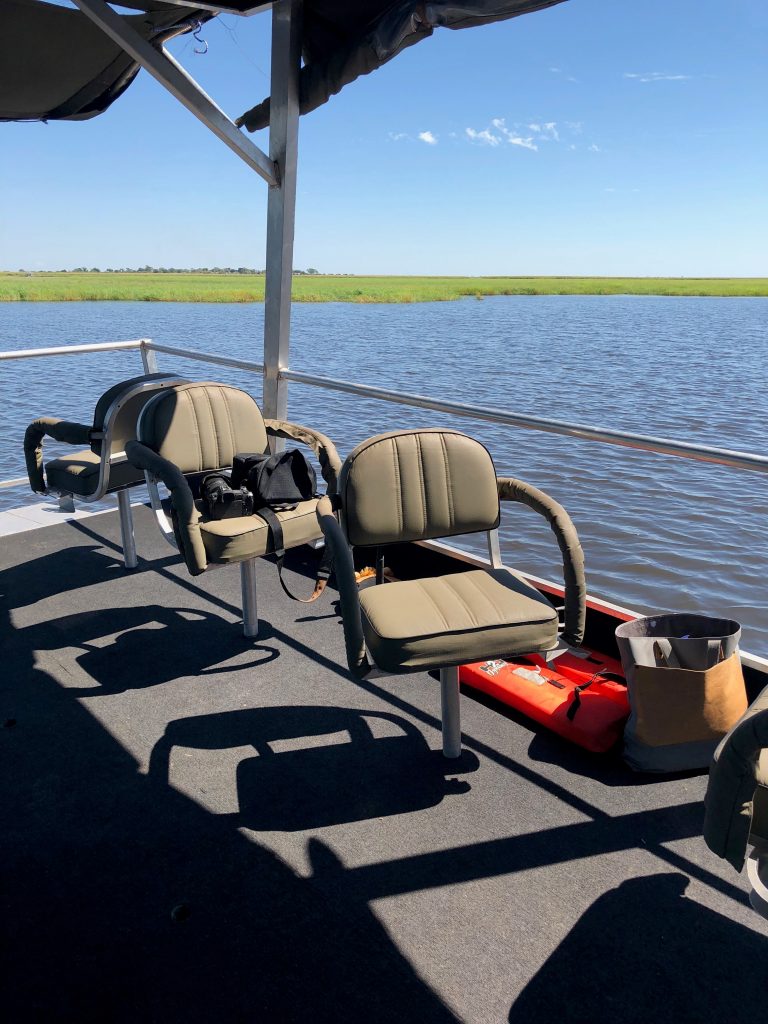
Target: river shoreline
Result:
[249, 287]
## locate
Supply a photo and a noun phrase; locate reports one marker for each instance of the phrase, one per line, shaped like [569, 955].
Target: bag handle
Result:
[278, 544]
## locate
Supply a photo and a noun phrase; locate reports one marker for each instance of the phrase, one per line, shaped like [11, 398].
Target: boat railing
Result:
[641, 442]
[682, 449]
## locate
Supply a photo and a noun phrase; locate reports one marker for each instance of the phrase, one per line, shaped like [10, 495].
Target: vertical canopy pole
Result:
[281, 204]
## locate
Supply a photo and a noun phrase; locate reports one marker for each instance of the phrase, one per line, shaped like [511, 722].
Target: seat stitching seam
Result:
[435, 605]
[398, 495]
[200, 456]
[231, 424]
[213, 426]
[472, 616]
[451, 515]
[487, 598]
[196, 429]
[423, 485]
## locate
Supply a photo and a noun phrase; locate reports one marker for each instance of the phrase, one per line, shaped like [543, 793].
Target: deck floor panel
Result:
[200, 826]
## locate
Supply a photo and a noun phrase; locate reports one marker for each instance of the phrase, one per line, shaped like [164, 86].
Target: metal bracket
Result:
[170, 74]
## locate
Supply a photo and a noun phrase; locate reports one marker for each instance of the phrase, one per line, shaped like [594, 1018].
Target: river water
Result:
[658, 532]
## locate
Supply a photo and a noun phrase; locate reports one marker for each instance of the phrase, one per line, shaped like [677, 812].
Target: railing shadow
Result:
[61, 571]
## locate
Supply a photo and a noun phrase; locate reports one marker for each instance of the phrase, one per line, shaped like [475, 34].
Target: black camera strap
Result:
[278, 545]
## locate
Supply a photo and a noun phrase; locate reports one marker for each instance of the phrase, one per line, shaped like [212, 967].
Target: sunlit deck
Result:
[200, 827]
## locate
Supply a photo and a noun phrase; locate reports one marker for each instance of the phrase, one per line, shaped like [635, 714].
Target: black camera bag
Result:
[278, 481]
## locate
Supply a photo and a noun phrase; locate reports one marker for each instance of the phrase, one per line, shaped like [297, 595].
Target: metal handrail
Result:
[640, 442]
[75, 350]
[207, 357]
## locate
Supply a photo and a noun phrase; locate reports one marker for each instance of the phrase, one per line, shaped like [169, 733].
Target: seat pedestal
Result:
[248, 590]
[449, 706]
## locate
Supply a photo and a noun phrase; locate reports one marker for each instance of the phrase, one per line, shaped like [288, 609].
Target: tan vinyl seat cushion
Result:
[78, 473]
[449, 620]
[232, 540]
[760, 806]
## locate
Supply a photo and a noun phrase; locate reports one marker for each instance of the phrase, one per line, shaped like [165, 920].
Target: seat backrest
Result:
[417, 485]
[201, 427]
[117, 411]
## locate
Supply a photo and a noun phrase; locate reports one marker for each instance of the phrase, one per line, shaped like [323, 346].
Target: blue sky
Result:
[623, 137]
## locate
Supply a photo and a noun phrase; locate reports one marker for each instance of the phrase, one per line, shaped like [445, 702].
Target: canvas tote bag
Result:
[686, 689]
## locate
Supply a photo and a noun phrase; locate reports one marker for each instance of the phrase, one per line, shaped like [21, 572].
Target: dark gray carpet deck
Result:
[197, 827]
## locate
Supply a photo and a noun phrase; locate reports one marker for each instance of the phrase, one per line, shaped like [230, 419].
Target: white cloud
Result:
[594, 149]
[428, 137]
[517, 140]
[656, 76]
[484, 136]
[397, 136]
[546, 132]
[529, 136]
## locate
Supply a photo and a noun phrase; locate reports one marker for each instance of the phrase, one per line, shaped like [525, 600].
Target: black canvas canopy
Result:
[55, 64]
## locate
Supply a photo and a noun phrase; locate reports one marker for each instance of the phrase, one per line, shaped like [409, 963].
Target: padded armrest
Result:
[322, 446]
[344, 570]
[732, 784]
[511, 489]
[59, 430]
[186, 516]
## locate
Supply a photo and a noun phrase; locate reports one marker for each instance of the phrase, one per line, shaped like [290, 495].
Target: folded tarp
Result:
[55, 64]
[342, 41]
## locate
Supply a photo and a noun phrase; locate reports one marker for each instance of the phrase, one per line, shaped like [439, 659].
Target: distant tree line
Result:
[172, 270]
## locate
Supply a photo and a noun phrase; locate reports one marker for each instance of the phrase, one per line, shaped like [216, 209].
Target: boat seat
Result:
[197, 429]
[78, 474]
[454, 619]
[736, 802]
[101, 469]
[420, 485]
[232, 540]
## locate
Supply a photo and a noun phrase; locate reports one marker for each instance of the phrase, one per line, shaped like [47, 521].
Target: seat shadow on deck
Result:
[130, 648]
[132, 899]
[291, 783]
[131, 902]
[644, 952]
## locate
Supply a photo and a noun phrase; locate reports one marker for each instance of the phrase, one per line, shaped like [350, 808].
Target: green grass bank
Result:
[147, 287]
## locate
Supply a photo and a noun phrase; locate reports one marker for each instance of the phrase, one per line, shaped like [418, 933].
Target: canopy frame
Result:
[170, 74]
[278, 169]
